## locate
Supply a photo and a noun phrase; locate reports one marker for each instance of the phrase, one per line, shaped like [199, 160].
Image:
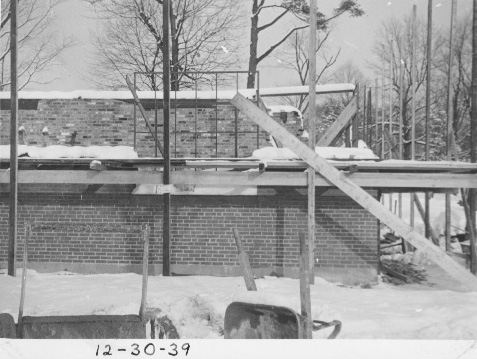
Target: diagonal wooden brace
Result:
[144, 115]
[364, 199]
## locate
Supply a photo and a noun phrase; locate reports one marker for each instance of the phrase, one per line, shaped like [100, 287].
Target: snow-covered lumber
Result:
[337, 178]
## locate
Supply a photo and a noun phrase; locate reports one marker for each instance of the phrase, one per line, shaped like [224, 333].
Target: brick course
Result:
[201, 229]
[111, 123]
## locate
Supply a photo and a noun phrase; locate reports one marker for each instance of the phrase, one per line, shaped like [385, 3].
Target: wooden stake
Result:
[305, 296]
[363, 198]
[24, 274]
[245, 263]
[145, 269]
[428, 113]
[383, 110]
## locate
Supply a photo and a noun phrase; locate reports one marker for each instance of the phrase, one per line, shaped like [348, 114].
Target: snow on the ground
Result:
[330, 153]
[197, 304]
[58, 151]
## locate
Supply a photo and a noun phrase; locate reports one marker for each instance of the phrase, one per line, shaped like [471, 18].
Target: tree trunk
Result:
[252, 63]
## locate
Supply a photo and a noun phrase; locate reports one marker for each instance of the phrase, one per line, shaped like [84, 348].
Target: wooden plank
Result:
[305, 296]
[245, 263]
[179, 179]
[246, 163]
[146, 230]
[144, 115]
[340, 124]
[422, 212]
[471, 226]
[355, 192]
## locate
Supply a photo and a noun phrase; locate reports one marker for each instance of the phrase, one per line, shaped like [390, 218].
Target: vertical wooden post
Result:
[450, 114]
[413, 101]
[13, 207]
[145, 232]
[428, 111]
[356, 120]
[365, 115]
[166, 71]
[473, 122]
[383, 102]
[305, 296]
[24, 274]
[391, 82]
[370, 117]
[312, 139]
[376, 116]
[401, 100]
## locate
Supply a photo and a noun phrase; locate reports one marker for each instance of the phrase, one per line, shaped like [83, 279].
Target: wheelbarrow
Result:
[78, 326]
[262, 321]
[245, 320]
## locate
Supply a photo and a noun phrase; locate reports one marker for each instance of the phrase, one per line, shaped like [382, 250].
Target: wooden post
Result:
[245, 263]
[312, 140]
[471, 225]
[13, 204]
[376, 117]
[145, 232]
[24, 274]
[473, 121]
[356, 120]
[391, 82]
[305, 296]
[166, 71]
[383, 110]
[428, 112]
[450, 115]
[370, 117]
[365, 115]
[433, 235]
[363, 198]
[413, 101]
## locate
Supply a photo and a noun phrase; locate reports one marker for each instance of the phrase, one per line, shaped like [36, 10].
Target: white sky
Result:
[354, 36]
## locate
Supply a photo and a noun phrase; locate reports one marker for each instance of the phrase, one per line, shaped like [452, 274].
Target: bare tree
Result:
[38, 45]
[461, 101]
[300, 10]
[204, 36]
[393, 44]
[295, 56]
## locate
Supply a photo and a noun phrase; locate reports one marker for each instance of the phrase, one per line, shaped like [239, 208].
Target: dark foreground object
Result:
[83, 327]
[261, 321]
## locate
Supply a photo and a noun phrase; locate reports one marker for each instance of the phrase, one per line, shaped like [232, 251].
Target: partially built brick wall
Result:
[202, 128]
[202, 238]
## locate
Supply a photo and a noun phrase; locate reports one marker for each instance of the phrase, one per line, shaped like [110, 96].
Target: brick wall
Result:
[201, 231]
[111, 122]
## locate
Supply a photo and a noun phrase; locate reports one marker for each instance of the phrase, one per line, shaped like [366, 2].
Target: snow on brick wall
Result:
[109, 122]
[201, 228]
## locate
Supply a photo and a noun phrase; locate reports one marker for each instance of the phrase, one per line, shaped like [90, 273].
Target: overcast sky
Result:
[354, 36]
